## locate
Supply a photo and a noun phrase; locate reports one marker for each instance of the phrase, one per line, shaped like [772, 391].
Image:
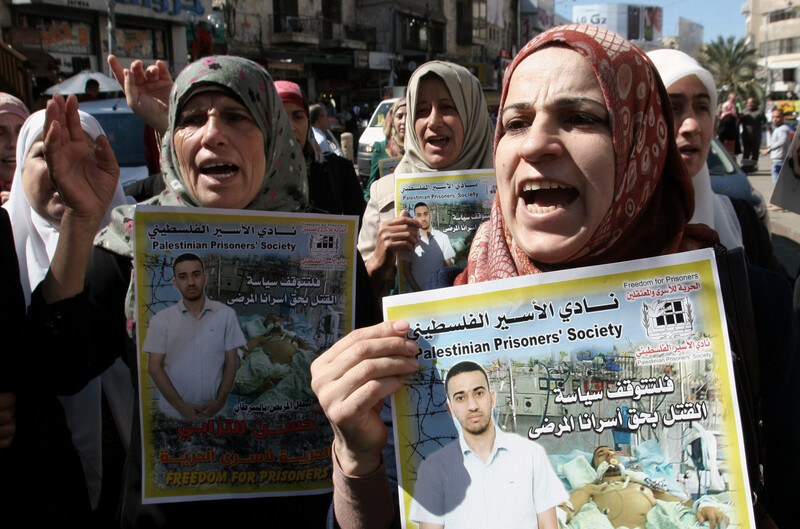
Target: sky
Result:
[718, 17]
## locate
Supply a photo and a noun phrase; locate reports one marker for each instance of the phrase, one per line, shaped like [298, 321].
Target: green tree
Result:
[733, 63]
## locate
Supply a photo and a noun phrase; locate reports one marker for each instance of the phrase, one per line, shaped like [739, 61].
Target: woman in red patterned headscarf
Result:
[587, 170]
[587, 173]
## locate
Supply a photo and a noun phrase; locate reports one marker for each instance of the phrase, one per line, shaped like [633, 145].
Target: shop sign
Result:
[162, 9]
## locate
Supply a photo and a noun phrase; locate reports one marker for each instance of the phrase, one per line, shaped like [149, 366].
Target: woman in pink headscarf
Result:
[13, 114]
[728, 127]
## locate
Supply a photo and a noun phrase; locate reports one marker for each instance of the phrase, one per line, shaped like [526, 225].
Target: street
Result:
[784, 225]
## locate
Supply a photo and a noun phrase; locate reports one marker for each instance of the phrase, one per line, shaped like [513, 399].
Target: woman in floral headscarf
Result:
[228, 144]
[588, 173]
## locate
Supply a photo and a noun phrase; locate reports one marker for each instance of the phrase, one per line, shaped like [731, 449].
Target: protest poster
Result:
[450, 205]
[633, 356]
[232, 330]
[386, 166]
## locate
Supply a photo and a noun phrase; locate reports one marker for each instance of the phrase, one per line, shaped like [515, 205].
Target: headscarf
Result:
[34, 237]
[394, 143]
[285, 185]
[465, 89]
[35, 240]
[13, 105]
[710, 208]
[653, 197]
[729, 108]
[292, 93]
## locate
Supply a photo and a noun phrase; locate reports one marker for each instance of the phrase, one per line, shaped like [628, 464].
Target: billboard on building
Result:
[638, 23]
[690, 36]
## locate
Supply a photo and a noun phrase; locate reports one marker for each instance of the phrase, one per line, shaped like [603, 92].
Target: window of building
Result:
[479, 20]
[780, 46]
[463, 23]
[417, 34]
[783, 14]
[285, 16]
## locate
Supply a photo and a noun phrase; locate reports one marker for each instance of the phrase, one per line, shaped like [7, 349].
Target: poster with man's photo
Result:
[450, 205]
[232, 308]
[597, 397]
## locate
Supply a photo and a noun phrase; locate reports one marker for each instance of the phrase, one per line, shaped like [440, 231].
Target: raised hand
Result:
[352, 379]
[86, 178]
[146, 90]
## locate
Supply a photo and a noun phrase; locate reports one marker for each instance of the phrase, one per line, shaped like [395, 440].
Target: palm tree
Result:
[733, 63]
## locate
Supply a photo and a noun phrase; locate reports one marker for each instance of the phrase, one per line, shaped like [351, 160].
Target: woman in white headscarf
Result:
[35, 209]
[693, 94]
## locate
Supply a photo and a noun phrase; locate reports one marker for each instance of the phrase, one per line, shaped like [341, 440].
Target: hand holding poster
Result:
[233, 308]
[449, 205]
[599, 395]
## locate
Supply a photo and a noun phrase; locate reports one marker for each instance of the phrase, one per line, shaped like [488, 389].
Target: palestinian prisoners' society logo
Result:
[668, 318]
[324, 245]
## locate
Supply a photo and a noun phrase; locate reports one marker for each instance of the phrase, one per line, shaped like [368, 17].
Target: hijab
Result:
[284, 186]
[35, 238]
[292, 93]
[710, 208]
[465, 89]
[394, 143]
[13, 105]
[653, 196]
[729, 108]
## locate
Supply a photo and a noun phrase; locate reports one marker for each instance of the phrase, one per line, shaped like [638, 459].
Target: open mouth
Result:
[687, 150]
[544, 197]
[438, 141]
[9, 161]
[219, 171]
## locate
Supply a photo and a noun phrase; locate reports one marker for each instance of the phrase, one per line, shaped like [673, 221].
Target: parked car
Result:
[373, 133]
[729, 178]
[125, 132]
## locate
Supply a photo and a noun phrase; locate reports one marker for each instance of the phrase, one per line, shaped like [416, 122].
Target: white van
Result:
[373, 133]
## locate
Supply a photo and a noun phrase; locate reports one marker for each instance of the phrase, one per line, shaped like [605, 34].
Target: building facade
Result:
[76, 32]
[349, 50]
[356, 50]
[772, 27]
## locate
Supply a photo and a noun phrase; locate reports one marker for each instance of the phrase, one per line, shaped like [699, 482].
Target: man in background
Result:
[779, 142]
[318, 117]
[752, 121]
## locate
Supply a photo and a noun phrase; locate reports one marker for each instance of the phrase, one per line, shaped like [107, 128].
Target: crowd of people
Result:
[599, 154]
